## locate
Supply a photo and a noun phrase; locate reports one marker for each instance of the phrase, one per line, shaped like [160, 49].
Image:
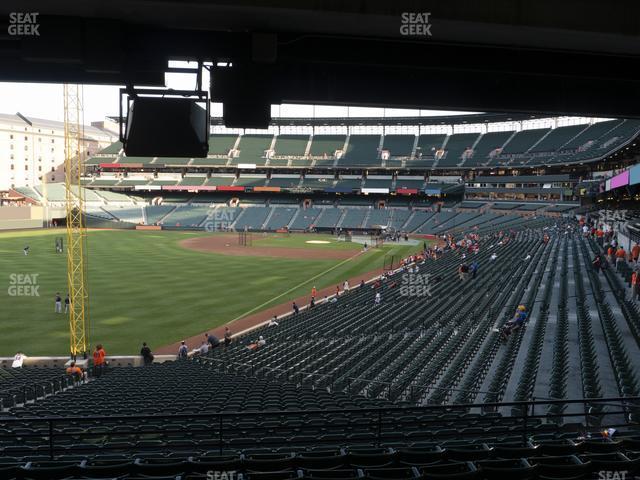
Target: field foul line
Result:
[296, 287]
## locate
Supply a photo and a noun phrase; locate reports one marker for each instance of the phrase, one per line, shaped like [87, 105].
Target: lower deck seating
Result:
[355, 389]
[281, 218]
[450, 460]
[187, 216]
[126, 214]
[252, 218]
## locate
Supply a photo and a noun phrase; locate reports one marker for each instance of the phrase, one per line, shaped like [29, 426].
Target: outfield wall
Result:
[13, 218]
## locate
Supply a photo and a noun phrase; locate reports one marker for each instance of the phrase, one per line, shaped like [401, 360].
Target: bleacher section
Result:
[125, 214]
[105, 182]
[285, 182]
[288, 147]
[252, 149]
[251, 181]
[192, 181]
[399, 147]
[356, 390]
[219, 148]
[22, 385]
[323, 148]
[29, 192]
[348, 184]
[187, 216]
[362, 151]
[113, 149]
[380, 217]
[155, 213]
[487, 144]
[378, 183]
[426, 150]
[318, 183]
[471, 205]
[398, 218]
[530, 207]
[611, 140]
[55, 192]
[280, 218]
[173, 161]
[132, 182]
[305, 219]
[524, 140]
[220, 180]
[505, 206]
[110, 196]
[413, 183]
[126, 159]
[455, 147]
[284, 201]
[322, 145]
[557, 138]
[592, 133]
[528, 147]
[252, 218]
[329, 218]
[353, 218]
[99, 160]
[260, 211]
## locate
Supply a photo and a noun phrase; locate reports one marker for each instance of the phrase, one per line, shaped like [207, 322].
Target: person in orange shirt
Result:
[621, 256]
[75, 371]
[635, 285]
[610, 252]
[98, 360]
[314, 292]
[635, 252]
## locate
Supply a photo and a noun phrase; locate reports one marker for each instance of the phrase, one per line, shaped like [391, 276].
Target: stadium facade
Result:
[32, 147]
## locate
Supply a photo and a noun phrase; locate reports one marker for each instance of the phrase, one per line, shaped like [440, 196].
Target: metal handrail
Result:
[525, 416]
[608, 401]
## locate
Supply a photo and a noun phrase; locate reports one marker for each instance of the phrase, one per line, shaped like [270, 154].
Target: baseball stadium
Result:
[351, 242]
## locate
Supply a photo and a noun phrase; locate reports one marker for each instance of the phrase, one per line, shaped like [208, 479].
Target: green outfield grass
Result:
[145, 287]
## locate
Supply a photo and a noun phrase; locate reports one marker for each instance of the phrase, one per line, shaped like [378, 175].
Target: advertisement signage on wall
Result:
[620, 180]
[634, 175]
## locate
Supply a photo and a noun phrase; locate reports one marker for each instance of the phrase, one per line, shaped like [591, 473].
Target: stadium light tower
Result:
[76, 228]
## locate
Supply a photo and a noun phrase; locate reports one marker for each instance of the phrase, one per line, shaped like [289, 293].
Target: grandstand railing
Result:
[524, 421]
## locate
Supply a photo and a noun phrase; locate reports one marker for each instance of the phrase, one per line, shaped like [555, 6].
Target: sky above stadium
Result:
[44, 100]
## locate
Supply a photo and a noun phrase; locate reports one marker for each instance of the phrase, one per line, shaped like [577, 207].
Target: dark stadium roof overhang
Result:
[470, 119]
[540, 57]
[467, 119]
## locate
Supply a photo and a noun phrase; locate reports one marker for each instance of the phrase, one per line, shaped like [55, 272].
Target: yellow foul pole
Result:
[76, 228]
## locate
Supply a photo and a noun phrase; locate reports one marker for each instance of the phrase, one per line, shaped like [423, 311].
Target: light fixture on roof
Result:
[164, 123]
